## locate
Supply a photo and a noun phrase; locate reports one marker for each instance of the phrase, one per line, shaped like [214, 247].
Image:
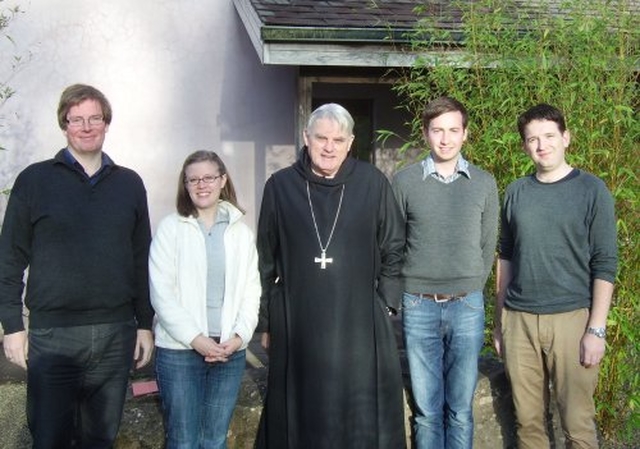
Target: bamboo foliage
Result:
[582, 56]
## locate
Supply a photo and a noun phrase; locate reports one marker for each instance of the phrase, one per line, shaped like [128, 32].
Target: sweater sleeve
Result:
[602, 236]
[490, 226]
[141, 240]
[15, 253]
[398, 192]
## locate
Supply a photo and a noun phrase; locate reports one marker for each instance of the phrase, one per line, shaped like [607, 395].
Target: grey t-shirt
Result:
[214, 241]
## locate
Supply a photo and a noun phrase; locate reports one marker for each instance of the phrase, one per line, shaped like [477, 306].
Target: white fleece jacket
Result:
[178, 277]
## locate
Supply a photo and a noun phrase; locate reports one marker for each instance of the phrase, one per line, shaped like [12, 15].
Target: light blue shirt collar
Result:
[429, 169]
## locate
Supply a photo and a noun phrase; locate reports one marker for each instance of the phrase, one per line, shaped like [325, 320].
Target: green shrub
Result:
[586, 62]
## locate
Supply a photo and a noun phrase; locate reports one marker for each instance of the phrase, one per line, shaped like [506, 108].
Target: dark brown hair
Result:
[184, 205]
[440, 106]
[76, 94]
[541, 112]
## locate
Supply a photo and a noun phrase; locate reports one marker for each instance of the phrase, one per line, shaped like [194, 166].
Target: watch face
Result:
[599, 332]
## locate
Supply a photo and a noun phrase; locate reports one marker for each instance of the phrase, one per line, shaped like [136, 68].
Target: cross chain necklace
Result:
[323, 260]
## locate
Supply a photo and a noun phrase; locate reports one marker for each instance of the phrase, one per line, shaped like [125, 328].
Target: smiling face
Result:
[545, 144]
[203, 194]
[328, 144]
[445, 135]
[85, 139]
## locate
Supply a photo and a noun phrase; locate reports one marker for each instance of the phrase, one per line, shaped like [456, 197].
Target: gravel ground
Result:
[142, 426]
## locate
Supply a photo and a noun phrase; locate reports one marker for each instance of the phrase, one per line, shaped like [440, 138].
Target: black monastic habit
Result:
[334, 378]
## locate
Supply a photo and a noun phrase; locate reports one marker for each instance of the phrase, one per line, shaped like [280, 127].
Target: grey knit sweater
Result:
[451, 230]
[559, 237]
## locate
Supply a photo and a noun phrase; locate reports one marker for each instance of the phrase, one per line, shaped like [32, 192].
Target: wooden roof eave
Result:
[327, 46]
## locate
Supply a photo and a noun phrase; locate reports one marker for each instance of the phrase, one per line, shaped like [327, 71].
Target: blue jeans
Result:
[443, 342]
[76, 383]
[198, 397]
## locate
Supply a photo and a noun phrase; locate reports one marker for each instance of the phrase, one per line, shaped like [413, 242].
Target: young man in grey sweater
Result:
[451, 209]
[556, 268]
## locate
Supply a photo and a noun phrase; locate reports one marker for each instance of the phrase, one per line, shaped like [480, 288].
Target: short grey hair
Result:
[335, 112]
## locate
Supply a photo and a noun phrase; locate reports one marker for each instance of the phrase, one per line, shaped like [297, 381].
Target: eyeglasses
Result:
[207, 179]
[78, 122]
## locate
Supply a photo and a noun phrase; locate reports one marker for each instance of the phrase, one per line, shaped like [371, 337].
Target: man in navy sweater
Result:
[79, 223]
[556, 267]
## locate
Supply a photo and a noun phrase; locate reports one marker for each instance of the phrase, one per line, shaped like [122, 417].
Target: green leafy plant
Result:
[582, 56]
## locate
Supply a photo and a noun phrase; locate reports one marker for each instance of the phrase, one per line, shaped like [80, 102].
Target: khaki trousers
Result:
[543, 349]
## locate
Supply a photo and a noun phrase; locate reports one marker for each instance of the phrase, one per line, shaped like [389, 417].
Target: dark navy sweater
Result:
[85, 246]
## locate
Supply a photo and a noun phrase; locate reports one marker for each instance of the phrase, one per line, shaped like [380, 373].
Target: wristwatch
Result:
[600, 332]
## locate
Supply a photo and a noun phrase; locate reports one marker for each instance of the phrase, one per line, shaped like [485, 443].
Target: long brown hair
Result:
[184, 205]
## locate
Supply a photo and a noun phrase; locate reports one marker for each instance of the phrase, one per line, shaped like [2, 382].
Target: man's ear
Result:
[353, 138]
[566, 138]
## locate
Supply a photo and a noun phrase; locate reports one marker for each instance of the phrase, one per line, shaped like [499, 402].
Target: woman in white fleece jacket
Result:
[205, 289]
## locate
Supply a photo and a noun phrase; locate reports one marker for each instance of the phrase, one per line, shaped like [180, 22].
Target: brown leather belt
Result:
[440, 298]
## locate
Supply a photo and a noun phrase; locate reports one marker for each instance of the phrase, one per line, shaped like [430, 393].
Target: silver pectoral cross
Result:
[323, 260]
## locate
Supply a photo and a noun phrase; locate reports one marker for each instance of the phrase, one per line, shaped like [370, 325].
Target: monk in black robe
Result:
[330, 240]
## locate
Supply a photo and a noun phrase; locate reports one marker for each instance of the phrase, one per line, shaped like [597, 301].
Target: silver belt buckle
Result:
[435, 298]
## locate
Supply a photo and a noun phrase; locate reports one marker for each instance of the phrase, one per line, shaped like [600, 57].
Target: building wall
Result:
[181, 75]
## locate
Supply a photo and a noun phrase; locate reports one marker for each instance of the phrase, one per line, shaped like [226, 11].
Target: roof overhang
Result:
[355, 34]
[322, 46]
